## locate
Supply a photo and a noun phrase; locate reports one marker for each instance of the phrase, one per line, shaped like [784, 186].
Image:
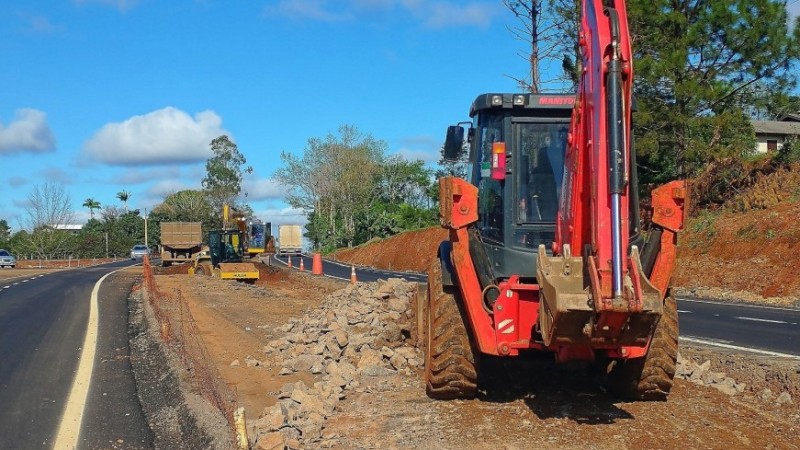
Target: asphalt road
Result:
[736, 325]
[728, 325]
[43, 322]
[341, 271]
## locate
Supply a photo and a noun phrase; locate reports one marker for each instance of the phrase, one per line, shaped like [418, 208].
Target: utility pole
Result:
[106, 244]
[146, 243]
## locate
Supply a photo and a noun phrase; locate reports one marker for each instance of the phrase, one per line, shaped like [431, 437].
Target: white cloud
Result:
[57, 175]
[146, 175]
[27, 133]
[163, 188]
[165, 136]
[21, 203]
[445, 14]
[433, 14]
[410, 154]
[414, 148]
[17, 181]
[306, 9]
[281, 216]
[82, 216]
[41, 25]
[262, 189]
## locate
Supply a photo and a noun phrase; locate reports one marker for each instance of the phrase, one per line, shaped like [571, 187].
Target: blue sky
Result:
[112, 95]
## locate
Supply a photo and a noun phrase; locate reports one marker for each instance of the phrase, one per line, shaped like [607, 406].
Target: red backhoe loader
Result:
[545, 252]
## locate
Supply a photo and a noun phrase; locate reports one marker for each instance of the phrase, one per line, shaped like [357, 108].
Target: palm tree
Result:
[123, 196]
[92, 204]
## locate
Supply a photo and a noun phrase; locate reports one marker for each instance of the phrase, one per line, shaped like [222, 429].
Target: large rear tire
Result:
[450, 362]
[650, 377]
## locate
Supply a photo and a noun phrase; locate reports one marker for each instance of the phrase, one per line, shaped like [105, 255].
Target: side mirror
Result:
[454, 143]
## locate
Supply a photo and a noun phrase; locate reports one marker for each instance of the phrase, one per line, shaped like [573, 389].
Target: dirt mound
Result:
[410, 251]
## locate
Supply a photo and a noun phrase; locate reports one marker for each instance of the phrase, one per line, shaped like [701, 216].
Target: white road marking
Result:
[755, 319]
[743, 305]
[25, 281]
[684, 312]
[70, 426]
[736, 347]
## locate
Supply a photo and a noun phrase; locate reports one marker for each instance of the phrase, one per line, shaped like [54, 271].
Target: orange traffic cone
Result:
[316, 264]
[289, 264]
[353, 275]
[302, 267]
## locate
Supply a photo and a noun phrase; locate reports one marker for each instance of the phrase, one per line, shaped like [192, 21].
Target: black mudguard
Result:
[447, 263]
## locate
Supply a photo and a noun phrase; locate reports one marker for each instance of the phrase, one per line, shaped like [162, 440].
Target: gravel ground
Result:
[320, 368]
[179, 418]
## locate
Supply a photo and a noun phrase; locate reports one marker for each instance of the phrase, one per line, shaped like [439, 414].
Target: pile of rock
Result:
[360, 331]
[703, 375]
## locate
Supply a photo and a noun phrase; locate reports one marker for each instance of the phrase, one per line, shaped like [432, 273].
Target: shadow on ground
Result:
[550, 390]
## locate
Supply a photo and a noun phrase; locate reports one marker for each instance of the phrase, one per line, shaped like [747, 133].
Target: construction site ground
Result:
[722, 399]
[524, 403]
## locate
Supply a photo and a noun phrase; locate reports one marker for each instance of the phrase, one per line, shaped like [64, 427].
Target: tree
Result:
[352, 192]
[549, 29]
[699, 67]
[48, 206]
[337, 178]
[183, 206]
[187, 205]
[5, 230]
[91, 204]
[223, 181]
[123, 196]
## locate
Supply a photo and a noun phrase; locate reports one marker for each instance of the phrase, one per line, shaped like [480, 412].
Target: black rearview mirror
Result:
[454, 143]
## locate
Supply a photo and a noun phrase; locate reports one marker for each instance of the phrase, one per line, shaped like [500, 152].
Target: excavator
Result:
[258, 237]
[545, 251]
[225, 255]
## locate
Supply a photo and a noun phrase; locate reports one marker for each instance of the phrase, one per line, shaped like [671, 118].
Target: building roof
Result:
[790, 118]
[68, 227]
[776, 127]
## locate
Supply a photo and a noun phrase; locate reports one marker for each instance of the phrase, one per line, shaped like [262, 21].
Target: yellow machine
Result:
[224, 258]
[257, 235]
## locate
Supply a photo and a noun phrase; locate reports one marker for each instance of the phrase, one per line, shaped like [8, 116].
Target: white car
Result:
[7, 259]
[139, 251]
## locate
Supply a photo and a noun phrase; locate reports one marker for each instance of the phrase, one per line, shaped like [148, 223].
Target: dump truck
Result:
[180, 242]
[290, 239]
[545, 251]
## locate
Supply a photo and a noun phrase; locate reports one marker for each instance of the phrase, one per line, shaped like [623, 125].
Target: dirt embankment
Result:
[750, 256]
[409, 251]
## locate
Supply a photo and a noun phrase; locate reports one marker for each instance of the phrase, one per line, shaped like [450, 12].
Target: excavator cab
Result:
[516, 155]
